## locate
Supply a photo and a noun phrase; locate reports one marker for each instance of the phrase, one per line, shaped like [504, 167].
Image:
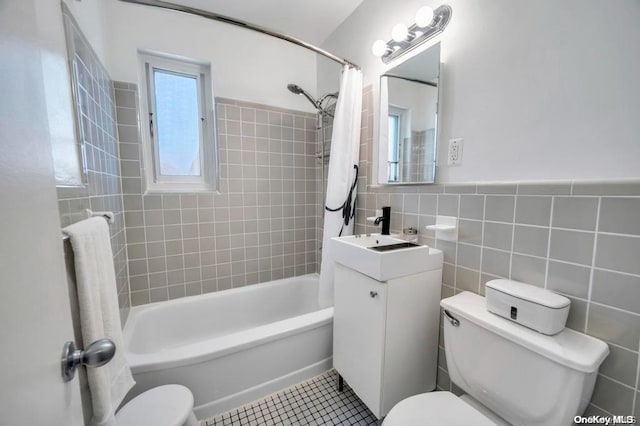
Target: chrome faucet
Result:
[385, 219]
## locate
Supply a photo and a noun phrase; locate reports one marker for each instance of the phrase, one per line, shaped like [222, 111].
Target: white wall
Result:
[90, 16]
[245, 65]
[538, 90]
[420, 99]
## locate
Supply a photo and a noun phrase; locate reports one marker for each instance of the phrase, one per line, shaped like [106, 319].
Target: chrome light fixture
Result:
[429, 23]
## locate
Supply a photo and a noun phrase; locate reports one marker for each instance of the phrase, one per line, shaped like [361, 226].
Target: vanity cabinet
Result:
[385, 337]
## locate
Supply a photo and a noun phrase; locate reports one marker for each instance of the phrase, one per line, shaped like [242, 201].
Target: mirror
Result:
[409, 119]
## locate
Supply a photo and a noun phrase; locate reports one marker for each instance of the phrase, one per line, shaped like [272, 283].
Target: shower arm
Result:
[328, 95]
[315, 103]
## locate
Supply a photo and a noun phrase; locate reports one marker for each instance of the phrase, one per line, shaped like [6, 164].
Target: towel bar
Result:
[108, 216]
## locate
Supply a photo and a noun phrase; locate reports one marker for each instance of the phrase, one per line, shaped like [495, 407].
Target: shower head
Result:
[294, 88]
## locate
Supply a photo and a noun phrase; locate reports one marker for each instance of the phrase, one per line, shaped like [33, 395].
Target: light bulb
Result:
[399, 32]
[379, 47]
[424, 16]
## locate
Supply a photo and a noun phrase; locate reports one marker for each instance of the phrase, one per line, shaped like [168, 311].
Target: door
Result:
[35, 318]
[359, 322]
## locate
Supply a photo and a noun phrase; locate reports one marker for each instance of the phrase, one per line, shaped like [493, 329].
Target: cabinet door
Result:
[359, 333]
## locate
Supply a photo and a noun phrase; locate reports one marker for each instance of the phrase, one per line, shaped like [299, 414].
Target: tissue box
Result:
[534, 307]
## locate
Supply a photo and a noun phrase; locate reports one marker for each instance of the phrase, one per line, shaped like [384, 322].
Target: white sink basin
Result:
[355, 252]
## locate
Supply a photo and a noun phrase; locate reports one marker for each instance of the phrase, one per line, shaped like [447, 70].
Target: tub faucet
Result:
[385, 219]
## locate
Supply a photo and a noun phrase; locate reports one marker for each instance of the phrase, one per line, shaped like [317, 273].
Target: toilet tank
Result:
[525, 377]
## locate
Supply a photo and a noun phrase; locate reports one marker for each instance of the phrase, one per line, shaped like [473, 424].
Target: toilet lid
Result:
[435, 408]
[168, 405]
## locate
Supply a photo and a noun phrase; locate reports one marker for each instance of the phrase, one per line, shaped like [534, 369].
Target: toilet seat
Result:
[169, 405]
[435, 408]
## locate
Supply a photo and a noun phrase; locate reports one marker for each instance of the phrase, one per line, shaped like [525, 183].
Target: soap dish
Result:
[446, 228]
[441, 227]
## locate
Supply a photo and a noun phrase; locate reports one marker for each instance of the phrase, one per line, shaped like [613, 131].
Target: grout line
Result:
[617, 381]
[600, 408]
[624, 348]
[513, 237]
[457, 244]
[613, 308]
[593, 262]
[546, 271]
[244, 229]
[484, 212]
[615, 234]
[636, 397]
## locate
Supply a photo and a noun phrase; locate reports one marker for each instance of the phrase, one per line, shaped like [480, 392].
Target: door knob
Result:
[96, 354]
[373, 294]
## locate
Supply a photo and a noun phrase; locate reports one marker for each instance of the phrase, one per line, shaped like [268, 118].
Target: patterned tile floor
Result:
[314, 402]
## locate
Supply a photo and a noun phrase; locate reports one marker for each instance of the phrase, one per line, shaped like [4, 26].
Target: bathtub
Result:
[233, 346]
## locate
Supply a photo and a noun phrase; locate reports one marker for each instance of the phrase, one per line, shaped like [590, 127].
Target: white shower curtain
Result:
[341, 180]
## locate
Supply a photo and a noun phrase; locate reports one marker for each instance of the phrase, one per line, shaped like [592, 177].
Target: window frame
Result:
[154, 180]
[403, 122]
[394, 144]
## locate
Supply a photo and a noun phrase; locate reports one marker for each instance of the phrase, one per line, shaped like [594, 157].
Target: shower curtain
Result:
[341, 181]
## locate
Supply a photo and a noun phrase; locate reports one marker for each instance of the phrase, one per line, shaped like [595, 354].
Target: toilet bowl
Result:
[168, 405]
[510, 373]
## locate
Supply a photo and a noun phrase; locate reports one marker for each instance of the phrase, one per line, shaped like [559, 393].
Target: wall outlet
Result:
[454, 157]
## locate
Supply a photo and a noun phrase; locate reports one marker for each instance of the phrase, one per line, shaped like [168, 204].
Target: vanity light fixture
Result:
[424, 16]
[429, 23]
[399, 33]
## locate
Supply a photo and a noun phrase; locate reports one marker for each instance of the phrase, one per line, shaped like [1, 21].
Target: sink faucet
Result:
[385, 219]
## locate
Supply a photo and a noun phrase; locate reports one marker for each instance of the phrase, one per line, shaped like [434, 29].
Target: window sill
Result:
[182, 190]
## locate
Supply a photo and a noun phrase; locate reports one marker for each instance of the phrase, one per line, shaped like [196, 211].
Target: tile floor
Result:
[314, 402]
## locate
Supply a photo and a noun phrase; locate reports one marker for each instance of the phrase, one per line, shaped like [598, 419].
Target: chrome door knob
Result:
[96, 354]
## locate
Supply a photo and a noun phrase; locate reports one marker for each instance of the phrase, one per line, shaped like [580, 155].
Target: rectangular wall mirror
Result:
[409, 119]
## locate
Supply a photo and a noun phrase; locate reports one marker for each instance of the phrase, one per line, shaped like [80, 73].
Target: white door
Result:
[35, 318]
[359, 323]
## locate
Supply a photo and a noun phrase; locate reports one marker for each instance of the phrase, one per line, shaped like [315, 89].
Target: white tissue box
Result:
[534, 307]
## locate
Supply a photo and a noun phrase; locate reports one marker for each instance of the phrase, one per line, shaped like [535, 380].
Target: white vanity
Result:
[386, 316]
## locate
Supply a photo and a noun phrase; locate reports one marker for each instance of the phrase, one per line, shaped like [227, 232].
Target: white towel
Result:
[99, 315]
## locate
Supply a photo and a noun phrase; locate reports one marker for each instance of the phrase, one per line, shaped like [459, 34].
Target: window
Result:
[394, 146]
[179, 136]
[399, 129]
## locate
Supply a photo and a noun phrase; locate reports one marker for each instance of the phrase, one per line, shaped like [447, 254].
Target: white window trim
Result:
[404, 123]
[208, 180]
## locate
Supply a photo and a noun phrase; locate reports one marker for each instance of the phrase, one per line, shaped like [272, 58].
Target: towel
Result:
[100, 315]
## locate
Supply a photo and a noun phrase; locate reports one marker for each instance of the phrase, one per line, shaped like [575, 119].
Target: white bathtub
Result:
[233, 346]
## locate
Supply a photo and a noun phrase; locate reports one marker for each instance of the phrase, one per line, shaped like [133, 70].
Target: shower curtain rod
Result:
[242, 24]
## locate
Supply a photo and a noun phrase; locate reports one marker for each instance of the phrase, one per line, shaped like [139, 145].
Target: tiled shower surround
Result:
[581, 239]
[260, 226]
[98, 131]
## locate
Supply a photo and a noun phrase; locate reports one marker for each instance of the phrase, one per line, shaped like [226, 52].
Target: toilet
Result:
[168, 405]
[510, 374]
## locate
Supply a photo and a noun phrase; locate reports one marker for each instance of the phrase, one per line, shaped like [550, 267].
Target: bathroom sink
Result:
[383, 257]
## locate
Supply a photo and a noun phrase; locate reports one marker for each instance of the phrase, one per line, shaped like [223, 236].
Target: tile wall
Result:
[97, 129]
[418, 152]
[581, 239]
[261, 226]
